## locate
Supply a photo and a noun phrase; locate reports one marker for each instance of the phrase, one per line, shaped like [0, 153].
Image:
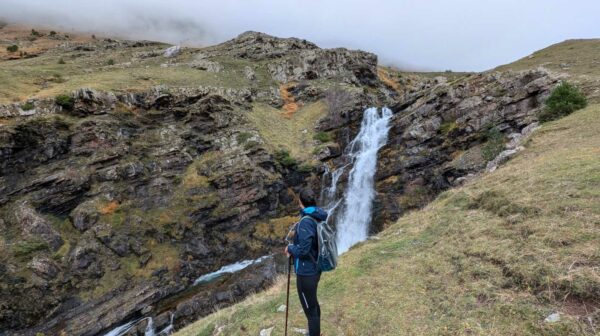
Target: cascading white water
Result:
[352, 225]
[149, 327]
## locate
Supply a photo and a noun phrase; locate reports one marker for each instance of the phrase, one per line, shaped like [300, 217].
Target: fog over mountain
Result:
[435, 34]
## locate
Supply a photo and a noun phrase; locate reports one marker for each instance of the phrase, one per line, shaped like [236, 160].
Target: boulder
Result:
[85, 215]
[34, 226]
[206, 65]
[173, 51]
[328, 151]
[90, 101]
[44, 267]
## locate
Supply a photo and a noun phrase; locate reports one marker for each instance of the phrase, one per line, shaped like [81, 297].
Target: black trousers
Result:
[307, 293]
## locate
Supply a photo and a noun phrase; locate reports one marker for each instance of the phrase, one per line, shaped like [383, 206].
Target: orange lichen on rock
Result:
[289, 101]
[109, 208]
[385, 78]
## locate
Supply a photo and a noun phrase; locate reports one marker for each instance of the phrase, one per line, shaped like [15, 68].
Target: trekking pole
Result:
[287, 299]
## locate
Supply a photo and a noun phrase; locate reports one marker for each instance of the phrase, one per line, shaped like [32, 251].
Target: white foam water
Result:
[149, 331]
[232, 268]
[352, 225]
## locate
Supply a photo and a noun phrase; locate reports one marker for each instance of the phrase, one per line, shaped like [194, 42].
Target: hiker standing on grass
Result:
[305, 252]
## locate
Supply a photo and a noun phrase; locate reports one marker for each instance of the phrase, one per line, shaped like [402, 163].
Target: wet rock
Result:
[328, 151]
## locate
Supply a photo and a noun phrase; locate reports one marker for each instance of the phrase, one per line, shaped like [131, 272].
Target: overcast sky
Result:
[420, 34]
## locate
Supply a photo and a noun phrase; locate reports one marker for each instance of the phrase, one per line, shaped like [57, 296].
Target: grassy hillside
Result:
[47, 64]
[494, 257]
[579, 59]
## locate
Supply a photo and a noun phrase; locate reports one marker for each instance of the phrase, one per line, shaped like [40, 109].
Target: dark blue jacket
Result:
[305, 247]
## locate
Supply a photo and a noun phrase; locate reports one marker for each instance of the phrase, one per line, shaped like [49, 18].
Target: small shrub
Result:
[448, 127]
[494, 144]
[448, 71]
[52, 33]
[93, 36]
[61, 61]
[111, 62]
[322, 137]
[242, 137]
[57, 78]
[65, 101]
[27, 106]
[284, 158]
[35, 33]
[13, 48]
[564, 100]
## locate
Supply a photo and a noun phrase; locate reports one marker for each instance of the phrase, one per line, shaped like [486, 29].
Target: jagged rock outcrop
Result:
[155, 182]
[440, 131]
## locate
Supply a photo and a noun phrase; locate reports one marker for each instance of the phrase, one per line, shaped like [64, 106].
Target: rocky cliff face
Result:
[112, 203]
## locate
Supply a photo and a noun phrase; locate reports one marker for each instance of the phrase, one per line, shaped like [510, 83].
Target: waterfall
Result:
[149, 331]
[352, 223]
[149, 327]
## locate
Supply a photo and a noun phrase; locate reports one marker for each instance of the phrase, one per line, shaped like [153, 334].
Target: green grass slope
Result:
[494, 257]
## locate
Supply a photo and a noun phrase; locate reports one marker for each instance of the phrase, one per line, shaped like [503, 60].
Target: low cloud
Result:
[434, 34]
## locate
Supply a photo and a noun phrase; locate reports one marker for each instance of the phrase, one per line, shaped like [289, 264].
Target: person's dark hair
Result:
[307, 197]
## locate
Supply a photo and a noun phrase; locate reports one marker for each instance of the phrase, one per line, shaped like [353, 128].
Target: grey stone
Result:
[266, 332]
[552, 318]
[173, 51]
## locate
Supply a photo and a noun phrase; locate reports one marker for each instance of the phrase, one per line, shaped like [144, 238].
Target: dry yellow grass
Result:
[494, 257]
[293, 133]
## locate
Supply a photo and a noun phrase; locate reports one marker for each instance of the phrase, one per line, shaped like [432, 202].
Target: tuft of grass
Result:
[494, 257]
[110, 62]
[284, 158]
[61, 61]
[564, 100]
[65, 101]
[305, 168]
[25, 248]
[494, 144]
[243, 137]
[12, 48]
[323, 137]
[448, 127]
[27, 106]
